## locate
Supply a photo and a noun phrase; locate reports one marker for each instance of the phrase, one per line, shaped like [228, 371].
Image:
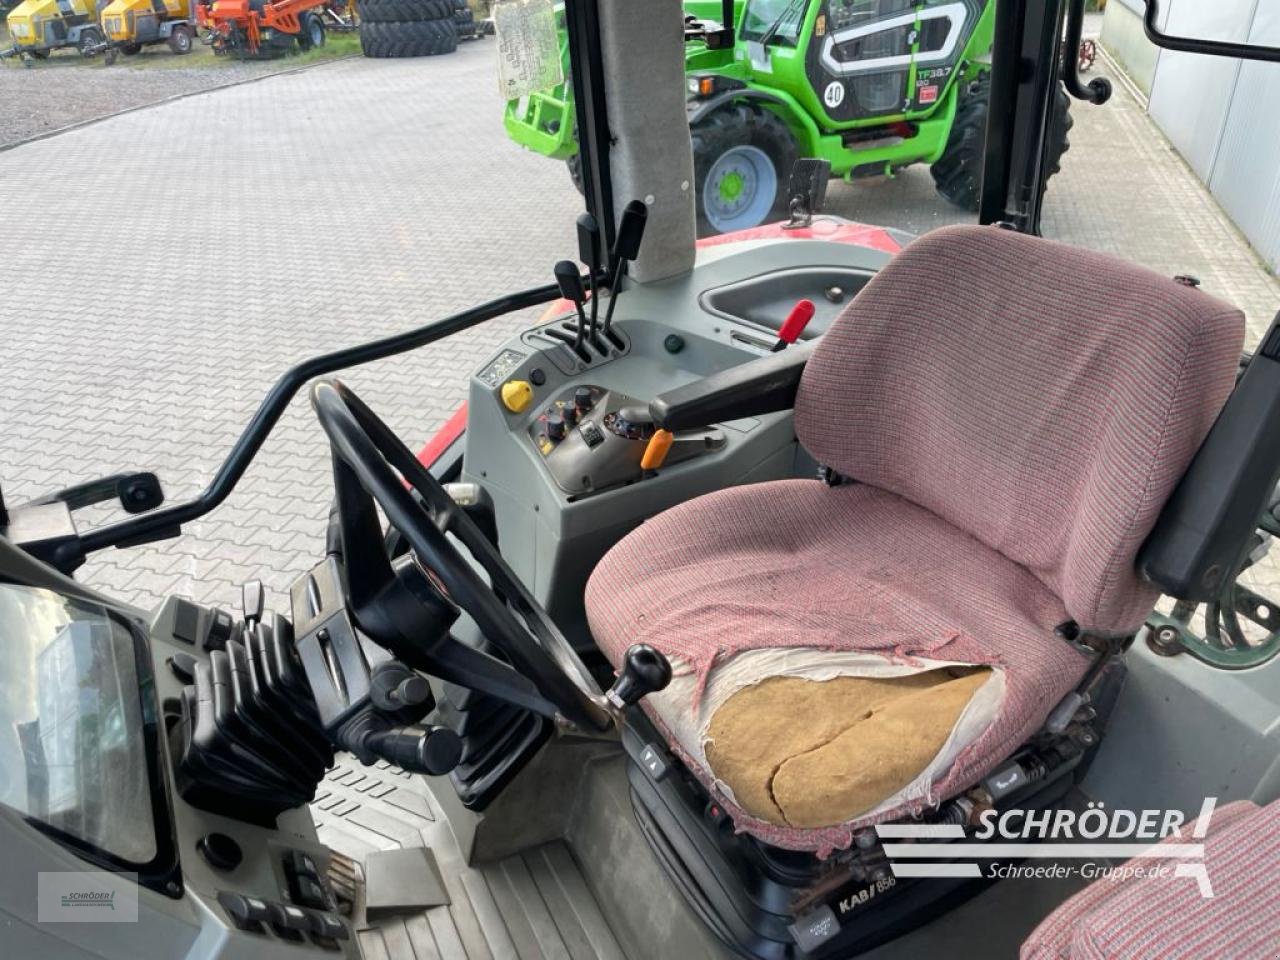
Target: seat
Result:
[1147, 909]
[1008, 415]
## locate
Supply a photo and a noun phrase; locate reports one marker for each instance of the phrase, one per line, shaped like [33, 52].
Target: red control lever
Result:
[795, 323]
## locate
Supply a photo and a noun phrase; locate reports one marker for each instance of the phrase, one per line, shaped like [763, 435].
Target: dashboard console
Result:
[558, 441]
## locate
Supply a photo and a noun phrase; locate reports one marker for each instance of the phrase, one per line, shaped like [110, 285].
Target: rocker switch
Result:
[654, 764]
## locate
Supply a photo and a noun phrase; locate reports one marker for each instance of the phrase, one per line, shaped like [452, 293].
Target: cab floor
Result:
[534, 904]
[537, 904]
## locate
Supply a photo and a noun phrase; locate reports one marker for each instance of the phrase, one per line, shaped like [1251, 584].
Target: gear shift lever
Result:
[644, 671]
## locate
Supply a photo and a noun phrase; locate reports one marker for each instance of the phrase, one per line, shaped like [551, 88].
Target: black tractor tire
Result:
[423, 38]
[574, 164]
[311, 35]
[180, 40]
[957, 174]
[39, 54]
[131, 49]
[741, 125]
[90, 38]
[464, 21]
[403, 11]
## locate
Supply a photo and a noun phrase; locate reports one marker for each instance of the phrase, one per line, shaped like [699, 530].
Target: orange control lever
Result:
[656, 452]
[795, 323]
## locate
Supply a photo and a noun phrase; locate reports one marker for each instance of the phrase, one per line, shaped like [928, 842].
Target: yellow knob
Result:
[517, 395]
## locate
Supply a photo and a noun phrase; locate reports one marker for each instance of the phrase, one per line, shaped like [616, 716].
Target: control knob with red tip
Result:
[795, 323]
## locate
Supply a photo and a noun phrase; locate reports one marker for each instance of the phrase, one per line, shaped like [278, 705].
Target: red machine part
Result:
[445, 436]
[224, 16]
[795, 323]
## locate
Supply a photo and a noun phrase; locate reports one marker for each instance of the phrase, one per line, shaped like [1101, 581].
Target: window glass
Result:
[72, 752]
[781, 19]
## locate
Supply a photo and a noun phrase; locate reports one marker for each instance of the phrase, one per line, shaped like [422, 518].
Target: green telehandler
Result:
[870, 86]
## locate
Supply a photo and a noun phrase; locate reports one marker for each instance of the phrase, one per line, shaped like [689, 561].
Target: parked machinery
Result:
[339, 16]
[129, 25]
[871, 86]
[38, 27]
[261, 29]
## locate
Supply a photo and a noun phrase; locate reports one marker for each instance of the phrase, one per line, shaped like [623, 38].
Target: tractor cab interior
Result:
[743, 563]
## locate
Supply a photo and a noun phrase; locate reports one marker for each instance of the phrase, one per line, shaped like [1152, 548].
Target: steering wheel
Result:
[372, 465]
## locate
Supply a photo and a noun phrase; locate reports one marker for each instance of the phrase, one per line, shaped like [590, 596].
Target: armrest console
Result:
[1204, 530]
[767, 385]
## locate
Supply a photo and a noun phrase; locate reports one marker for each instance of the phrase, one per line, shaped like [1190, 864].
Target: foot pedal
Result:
[402, 881]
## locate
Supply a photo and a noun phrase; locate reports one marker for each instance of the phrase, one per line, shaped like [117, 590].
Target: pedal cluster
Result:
[249, 743]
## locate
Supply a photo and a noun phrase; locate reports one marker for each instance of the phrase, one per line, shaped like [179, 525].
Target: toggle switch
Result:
[517, 395]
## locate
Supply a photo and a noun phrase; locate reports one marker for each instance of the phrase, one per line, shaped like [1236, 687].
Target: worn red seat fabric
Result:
[1163, 916]
[1012, 414]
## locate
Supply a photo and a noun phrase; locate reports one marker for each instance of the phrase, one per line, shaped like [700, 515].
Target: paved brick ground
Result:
[171, 263]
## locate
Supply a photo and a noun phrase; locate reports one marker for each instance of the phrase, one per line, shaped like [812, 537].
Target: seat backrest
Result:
[1043, 398]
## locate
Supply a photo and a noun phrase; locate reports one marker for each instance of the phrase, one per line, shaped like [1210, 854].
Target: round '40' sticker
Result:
[833, 96]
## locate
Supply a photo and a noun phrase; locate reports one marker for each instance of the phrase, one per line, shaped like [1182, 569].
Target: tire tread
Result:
[404, 11]
[411, 38]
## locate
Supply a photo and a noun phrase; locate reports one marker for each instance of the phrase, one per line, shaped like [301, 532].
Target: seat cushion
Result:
[1162, 916]
[794, 579]
[1044, 398]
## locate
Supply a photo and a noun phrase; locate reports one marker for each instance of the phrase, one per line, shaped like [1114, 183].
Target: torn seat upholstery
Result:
[1010, 414]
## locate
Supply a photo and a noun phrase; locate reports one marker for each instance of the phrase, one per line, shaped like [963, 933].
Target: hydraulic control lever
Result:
[626, 247]
[570, 282]
[644, 671]
[590, 253]
[794, 325]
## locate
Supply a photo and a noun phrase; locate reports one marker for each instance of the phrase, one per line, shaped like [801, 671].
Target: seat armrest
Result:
[1205, 530]
[766, 385]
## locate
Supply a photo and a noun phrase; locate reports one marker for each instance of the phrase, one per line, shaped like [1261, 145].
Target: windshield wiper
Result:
[777, 24]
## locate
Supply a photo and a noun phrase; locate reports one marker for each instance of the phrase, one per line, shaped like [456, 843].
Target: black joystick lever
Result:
[626, 247]
[570, 282]
[433, 751]
[590, 253]
[644, 671]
